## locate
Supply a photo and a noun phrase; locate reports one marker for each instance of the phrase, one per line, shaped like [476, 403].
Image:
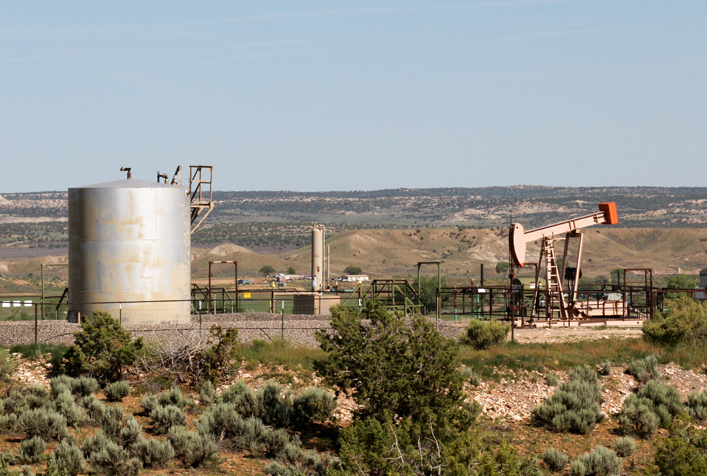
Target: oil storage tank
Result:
[129, 251]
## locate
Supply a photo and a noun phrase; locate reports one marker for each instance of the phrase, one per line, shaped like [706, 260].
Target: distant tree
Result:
[291, 270]
[502, 267]
[428, 291]
[353, 270]
[682, 281]
[267, 270]
[616, 275]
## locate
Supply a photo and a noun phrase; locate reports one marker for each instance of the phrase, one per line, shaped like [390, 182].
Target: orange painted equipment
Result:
[610, 213]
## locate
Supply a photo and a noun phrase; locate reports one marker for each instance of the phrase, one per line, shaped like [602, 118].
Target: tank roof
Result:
[128, 183]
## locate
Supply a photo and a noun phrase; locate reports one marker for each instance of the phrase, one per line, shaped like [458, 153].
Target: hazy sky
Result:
[341, 95]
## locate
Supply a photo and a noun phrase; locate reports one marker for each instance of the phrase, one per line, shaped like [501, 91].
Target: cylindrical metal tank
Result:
[129, 251]
[317, 257]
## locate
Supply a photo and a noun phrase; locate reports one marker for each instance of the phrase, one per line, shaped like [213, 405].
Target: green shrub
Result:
[42, 422]
[207, 393]
[96, 443]
[38, 391]
[293, 450]
[601, 462]
[102, 349]
[112, 459]
[61, 383]
[67, 406]
[697, 404]
[555, 460]
[221, 420]
[8, 422]
[32, 450]
[654, 405]
[117, 391]
[482, 335]
[7, 365]
[191, 447]
[218, 357]
[395, 364]
[273, 406]
[173, 397]
[684, 323]
[605, 368]
[317, 463]
[575, 406]
[130, 433]
[84, 386]
[68, 458]
[154, 453]
[273, 442]
[644, 369]
[552, 379]
[251, 435]
[94, 408]
[112, 421]
[577, 468]
[638, 417]
[624, 446]
[468, 375]
[243, 399]
[149, 403]
[682, 453]
[28, 398]
[313, 404]
[163, 418]
[275, 468]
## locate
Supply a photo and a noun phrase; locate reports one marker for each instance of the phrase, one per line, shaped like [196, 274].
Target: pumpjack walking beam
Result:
[518, 239]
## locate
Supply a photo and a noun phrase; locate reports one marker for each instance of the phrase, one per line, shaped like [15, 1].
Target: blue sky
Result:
[355, 95]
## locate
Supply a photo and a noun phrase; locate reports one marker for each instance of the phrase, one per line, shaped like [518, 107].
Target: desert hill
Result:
[385, 253]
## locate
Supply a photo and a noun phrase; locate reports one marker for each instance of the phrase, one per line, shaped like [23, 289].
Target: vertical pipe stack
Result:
[318, 257]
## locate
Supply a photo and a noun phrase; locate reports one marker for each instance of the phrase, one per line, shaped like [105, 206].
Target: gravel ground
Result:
[298, 329]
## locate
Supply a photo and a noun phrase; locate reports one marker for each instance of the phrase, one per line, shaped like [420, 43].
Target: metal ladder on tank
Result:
[200, 196]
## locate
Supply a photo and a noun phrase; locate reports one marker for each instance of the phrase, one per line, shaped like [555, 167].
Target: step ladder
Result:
[555, 306]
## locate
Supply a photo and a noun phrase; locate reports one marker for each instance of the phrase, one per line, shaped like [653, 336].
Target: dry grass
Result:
[539, 357]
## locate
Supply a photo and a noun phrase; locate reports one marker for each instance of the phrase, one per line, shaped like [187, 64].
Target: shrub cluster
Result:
[576, 404]
[600, 462]
[644, 369]
[552, 379]
[624, 446]
[82, 386]
[653, 406]
[117, 391]
[605, 368]
[238, 420]
[120, 447]
[482, 335]
[555, 460]
[684, 323]
[32, 450]
[697, 404]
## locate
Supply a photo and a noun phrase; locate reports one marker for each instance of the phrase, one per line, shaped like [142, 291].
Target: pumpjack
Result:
[559, 304]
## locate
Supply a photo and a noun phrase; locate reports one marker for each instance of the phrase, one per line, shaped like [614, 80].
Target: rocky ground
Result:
[516, 396]
[513, 397]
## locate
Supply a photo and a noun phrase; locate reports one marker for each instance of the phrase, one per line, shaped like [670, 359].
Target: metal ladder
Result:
[555, 303]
